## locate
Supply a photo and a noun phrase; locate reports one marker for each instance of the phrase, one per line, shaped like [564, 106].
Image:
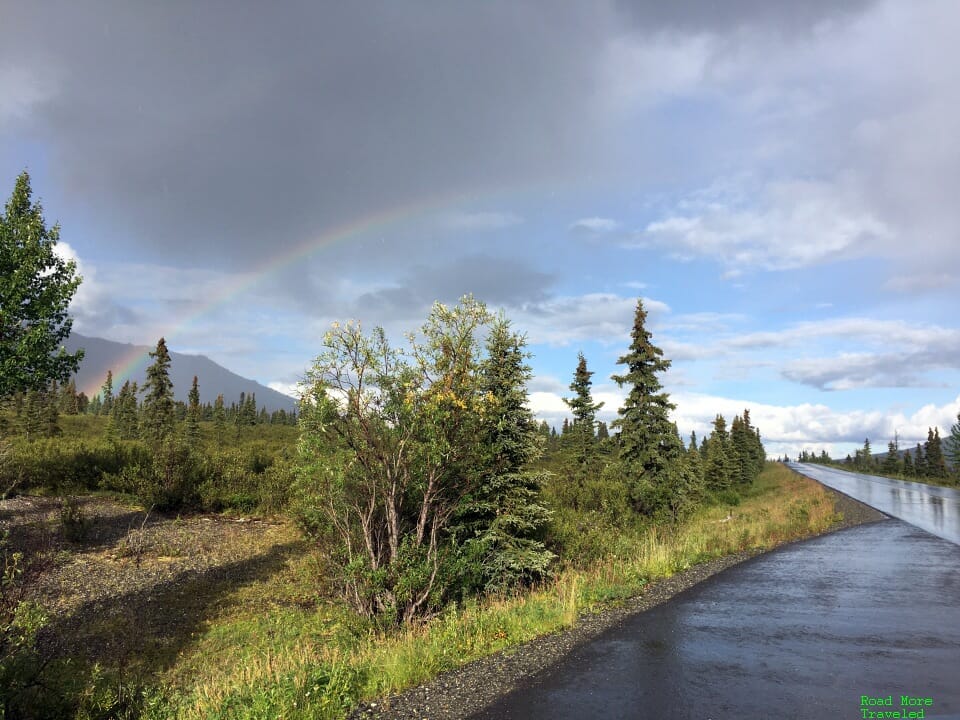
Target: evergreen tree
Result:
[908, 468]
[953, 444]
[124, 418]
[920, 461]
[865, 456]
[719, 469]
[602, 432]
[584, 409]
[69, 403]
[503, 520]
[219, 419]
[694, 460]
[106, 392]
[31, 416]
[891, 463]
[158, 419]
[193, 415]
[743, 455]
[50, 412]
[648, 441]
[936, 466]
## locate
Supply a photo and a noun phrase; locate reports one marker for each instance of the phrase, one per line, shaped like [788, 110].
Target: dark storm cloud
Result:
[219, 130]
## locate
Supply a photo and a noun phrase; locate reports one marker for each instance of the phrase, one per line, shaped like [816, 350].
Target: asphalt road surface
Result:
[802, 632]
[935, 509]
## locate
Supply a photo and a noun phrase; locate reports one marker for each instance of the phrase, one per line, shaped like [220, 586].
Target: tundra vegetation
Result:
[413, 515]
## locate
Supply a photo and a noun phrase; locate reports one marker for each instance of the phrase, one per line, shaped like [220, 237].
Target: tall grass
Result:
[319, 662]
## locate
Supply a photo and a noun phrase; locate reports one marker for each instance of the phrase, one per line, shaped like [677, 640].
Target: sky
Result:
[777, 182]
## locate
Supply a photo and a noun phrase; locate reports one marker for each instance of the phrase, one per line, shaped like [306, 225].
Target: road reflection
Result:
[929, 507]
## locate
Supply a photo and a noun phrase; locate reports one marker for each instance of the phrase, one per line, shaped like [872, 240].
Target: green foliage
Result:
[124, 416]
[36, 286]
[581, 436]
[73, 520]
[953, 444]
[157, 420]
[719, 467]
[192, 423]
[394, 438]
[933, 451]
[647, 437]
[20, 622]
[106, 395]
[500, 524]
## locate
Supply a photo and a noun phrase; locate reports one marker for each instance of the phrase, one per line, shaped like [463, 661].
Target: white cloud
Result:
[794, 224]
[794, 427]
[479, 221]
[594, 226]
[595, 317]
[288, 389]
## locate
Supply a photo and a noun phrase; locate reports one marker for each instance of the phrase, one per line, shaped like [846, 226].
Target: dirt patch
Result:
[136, 586]
[462, 692]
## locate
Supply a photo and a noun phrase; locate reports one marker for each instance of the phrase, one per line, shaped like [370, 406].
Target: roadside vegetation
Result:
[412, 516]
[935, 462]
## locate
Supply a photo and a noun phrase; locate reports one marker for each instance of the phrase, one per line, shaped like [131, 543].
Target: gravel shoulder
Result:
[466, 690]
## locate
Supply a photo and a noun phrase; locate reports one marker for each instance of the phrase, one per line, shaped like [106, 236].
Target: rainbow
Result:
[137, 358]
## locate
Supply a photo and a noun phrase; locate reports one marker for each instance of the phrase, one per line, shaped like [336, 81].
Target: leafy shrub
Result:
[73, 521]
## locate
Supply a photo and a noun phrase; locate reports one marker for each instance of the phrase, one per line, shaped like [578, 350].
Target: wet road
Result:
[801, 632]
[935, 509]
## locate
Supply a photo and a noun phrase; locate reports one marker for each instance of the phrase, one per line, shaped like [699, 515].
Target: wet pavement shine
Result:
[935, 509]
[865, 620]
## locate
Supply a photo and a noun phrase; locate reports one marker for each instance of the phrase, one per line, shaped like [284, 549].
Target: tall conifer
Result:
[648, 441]
[158, 418]
[503, 519]
[106, 392]
[193, 414]
[584, 409]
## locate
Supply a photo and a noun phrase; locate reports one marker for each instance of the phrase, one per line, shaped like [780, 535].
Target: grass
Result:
[277, 651]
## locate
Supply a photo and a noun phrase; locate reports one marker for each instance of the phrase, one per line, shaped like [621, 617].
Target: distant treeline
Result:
[937, 459]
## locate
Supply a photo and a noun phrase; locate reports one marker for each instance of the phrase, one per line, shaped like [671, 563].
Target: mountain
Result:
[129, 362]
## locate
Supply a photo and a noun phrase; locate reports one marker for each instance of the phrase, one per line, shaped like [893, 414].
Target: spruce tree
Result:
[584, 409]
[193, 415]
[158, 419]
[602, 432]
[920, 461]
[124, 418]
[50, 412]
[952, 445]
[31, 416]
[719, 468]
[502, 521]
[219, 419]
[891, 463]
[936, 466]
[648, 441]
[106, 392]
[742, 445]
[908, 468]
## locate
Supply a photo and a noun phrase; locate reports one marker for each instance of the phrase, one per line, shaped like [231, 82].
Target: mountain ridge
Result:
[129, 362]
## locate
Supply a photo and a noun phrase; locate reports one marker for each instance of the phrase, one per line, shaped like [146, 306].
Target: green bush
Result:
[73, 521]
